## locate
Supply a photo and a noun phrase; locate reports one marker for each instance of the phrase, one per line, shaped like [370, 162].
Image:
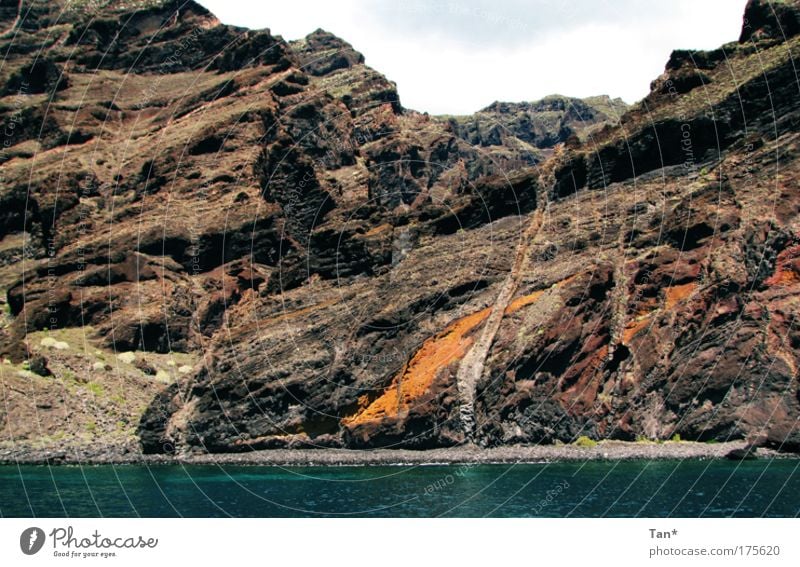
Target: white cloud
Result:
[457, 58]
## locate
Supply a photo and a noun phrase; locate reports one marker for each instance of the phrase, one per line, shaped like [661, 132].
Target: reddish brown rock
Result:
[272, 207]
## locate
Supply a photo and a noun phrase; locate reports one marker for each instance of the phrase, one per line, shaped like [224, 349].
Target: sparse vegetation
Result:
[79, 378]
[584, 441]
[126, 357]
[604, 398]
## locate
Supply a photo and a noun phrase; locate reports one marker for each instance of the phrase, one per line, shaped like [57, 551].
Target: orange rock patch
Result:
[436, 353]
[783, 278]
[633, 327]
[673, 295]
[677, 293]
[524, 301]
[787, 268]
[418, 375]
[381, 228]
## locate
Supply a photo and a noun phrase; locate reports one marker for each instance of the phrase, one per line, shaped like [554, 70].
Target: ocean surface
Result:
[697, 488]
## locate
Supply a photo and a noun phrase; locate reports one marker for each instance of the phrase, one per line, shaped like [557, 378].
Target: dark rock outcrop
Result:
[528, 131]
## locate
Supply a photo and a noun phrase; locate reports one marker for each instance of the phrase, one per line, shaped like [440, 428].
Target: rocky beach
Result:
[603, 451]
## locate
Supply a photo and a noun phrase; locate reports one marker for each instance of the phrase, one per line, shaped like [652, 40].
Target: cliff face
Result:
[348, 272]
[533, 129]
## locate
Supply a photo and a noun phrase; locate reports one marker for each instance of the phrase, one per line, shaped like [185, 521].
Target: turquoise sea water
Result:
[593, 489]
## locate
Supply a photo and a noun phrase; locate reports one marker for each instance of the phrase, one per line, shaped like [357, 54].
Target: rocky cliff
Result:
[533, 129]
[338, 270]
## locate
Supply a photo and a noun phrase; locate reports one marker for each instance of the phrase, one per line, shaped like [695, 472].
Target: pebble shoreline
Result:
[607, 450]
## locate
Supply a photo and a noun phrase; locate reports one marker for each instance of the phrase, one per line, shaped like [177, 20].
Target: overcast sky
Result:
[454, 57]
